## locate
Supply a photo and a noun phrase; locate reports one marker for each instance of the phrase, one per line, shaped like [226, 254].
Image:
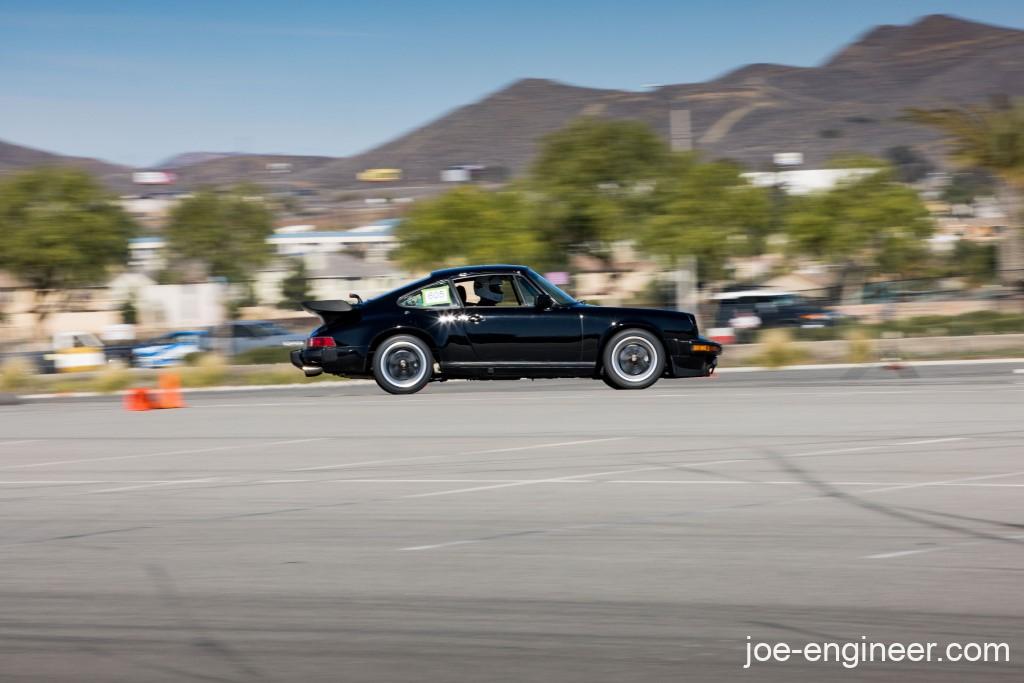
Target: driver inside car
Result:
[488, 291]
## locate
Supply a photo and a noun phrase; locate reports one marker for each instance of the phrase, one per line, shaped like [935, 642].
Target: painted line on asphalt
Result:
[653, 468]
[132, 484]
[936, 549]
[544, 445]
[154, 484]
[742, 482]
[136, 456]
[530, 482]
[384, 461]
[338, 466]
[438, 545]
[440, 481]
[900, 553]
[657, 468]
[946, 482]
[56, 482]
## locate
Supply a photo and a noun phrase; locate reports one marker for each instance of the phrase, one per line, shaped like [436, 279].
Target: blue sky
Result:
[136, 82]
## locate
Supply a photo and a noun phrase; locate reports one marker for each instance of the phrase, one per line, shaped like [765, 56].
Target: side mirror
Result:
[543, 302]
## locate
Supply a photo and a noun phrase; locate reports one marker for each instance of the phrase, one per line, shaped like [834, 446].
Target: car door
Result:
[505, 327]
[436, 310]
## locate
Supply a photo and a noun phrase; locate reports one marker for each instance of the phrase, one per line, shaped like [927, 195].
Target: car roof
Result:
[474, 270]
[725, 296]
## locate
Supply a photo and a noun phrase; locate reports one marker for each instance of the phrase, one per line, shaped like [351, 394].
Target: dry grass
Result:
[860, 347]
[210, 370]
[115, 376]
[779, 350]
[15, 374]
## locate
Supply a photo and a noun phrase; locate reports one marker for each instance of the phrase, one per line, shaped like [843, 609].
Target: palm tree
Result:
[992, 138]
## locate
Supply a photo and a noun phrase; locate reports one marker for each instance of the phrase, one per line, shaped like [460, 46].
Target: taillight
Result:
[320, 342]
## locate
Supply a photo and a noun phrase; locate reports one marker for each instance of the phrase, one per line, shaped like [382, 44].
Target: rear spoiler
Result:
[328, 310]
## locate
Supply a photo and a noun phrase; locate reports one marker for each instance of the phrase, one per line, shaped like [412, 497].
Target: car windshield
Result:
[556, 294]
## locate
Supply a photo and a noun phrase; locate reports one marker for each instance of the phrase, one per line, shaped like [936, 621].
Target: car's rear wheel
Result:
[402, 365]
[633, 359]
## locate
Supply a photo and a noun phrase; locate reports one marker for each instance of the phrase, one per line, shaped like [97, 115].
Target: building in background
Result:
[806, 181]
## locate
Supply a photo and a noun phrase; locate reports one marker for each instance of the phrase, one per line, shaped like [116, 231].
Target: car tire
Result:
[633, 359]
[607, 380]
[402, 364]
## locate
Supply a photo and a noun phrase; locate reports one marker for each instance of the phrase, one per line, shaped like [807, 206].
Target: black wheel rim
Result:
[403, 365]
[634, 359]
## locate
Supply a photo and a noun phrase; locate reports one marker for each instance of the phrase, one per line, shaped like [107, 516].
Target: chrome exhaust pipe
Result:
[312, 370]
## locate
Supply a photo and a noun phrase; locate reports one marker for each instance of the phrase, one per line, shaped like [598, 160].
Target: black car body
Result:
[499, 322]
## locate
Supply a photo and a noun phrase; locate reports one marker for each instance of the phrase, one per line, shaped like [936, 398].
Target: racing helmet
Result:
[488, 290]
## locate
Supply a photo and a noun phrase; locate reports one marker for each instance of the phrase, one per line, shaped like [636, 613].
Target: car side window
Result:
[489, 291]
[437, 295]
[528, 292]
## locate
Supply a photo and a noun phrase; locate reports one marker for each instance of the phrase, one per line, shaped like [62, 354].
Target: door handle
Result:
[474, 317]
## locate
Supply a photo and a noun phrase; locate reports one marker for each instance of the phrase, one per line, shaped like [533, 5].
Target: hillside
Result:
[254, 168]
[852, 102]
[15, 158]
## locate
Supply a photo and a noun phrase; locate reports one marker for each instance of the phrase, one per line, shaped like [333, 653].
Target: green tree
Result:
[59, 229]
[709, 211]
[978, 262]
[991, 137]
[592, 181]
[129, 312]
[868, 223]
[225, 232]
[469, 225]
[295, 287]
[966, 186]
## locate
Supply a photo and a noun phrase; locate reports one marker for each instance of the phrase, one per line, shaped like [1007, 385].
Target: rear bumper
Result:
[693, 358]
[350, 361]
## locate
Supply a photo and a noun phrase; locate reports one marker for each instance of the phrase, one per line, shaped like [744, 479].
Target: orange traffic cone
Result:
[170, 391]
[138, 399]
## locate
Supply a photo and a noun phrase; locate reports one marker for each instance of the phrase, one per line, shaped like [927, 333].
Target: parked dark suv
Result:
[771, 308]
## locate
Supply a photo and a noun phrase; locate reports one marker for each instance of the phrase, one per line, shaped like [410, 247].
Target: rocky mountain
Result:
[254, 168]
[854, 102]
[15, 158]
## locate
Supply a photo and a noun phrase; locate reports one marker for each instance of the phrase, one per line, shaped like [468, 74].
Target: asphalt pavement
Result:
[517, 531]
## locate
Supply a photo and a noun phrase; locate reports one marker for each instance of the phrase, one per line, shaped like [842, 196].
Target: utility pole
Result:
[680, 130]
[686, 284]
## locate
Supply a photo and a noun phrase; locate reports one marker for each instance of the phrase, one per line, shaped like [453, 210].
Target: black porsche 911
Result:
[499, 322]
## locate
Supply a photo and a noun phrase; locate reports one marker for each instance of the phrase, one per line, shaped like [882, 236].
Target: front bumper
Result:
[349, 361]
[693, 357]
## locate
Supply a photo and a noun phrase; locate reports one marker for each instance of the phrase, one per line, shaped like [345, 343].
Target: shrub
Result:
[262, 356]
[194, 357]
[778, 349]
[115, 376]
[860, 347]
[210, 370]
[15, 373]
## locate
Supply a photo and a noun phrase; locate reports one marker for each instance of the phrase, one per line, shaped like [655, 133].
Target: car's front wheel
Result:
[402, 364]
[633, 359]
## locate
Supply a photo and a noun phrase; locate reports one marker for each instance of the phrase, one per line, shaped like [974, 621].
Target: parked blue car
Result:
[170, 349]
